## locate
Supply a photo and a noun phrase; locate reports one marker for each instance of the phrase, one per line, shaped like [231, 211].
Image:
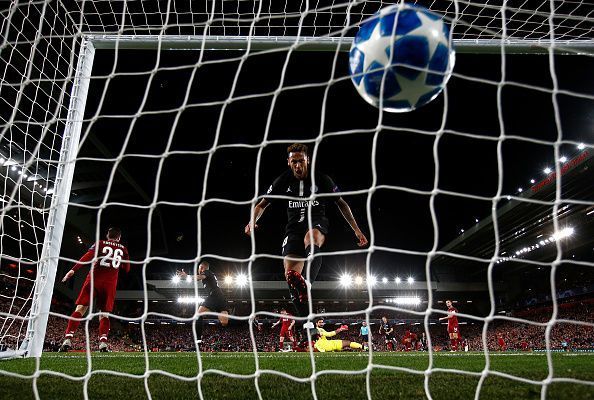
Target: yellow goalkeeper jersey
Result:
[323, 344]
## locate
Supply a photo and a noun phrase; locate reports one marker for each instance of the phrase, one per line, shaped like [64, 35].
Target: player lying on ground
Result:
[101, 282]
[214, 302]
[322, 344]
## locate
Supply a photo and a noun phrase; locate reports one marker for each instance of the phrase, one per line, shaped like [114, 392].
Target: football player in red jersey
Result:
[501, 342]
[108, 256]
[453, 329]
[286, 329]
[409, 340]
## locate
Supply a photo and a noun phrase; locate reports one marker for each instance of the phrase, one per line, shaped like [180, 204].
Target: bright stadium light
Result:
[241, 280]
[228, 279]
[532, 181]
[372, 280]
[406, 301]
[175, 279]
[398, 280]
[384, 280]
[563, 233]
[547, 170]
[346, 280]
[359, 280]
[410, 280]
[581, 146]
[563, 159]
[189, 278]
[189, 299]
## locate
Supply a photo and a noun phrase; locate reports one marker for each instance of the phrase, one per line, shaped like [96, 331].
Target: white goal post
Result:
[46, 60]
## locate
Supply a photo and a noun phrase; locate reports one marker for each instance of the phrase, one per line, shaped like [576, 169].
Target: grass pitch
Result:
[338, 376]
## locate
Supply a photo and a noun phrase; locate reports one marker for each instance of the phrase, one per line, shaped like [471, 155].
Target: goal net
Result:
[170, 119]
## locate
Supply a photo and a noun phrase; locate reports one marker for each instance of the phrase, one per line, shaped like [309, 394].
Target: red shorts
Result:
[104, 293]
[286, 332]
[453, 329]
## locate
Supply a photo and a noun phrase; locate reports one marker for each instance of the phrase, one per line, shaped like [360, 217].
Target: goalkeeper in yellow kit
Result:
[322, 344]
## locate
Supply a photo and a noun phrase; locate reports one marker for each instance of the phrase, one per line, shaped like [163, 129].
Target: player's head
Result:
[385, 319]
[407, 332]
[320, 322]
[204, 265]
[449, 303]
[283, 311]
[114, 234]
[298, 160]
[364, 323]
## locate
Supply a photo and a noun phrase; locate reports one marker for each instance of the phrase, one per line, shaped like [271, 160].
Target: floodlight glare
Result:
[241, 280]
[189, 279]
[345, 280]
[547, 170]
[398, 280]
[175, 279]
[372, 280]
[385, 280]
[581, 146]
[410, 280]
[228, 279]
[563, 159]
[358, 280]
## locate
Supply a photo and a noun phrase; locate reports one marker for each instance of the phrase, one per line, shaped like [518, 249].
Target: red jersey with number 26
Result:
[109, 257]
[453, 320]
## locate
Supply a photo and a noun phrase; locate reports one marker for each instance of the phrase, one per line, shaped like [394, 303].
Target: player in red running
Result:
[453, 329]
[108, 256]
[286, 329]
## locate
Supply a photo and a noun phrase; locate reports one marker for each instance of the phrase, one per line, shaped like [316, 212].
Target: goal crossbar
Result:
[305, 43]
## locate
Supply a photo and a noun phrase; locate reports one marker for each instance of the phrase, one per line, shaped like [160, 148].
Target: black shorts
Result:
[215, 302]
[295, 233]
[365, 338]
[389, 338]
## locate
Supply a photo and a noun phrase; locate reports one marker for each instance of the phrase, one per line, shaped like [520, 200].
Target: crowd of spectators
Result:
[171, 335]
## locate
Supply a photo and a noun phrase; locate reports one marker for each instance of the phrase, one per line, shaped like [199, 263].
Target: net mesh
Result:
[39, 54]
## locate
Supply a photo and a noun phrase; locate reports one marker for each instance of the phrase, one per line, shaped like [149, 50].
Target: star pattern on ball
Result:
[435, 28]
[412, 89]
[375, 47]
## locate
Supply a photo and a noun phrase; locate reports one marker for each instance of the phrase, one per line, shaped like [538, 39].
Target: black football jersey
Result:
[287, 185]
[210, 282]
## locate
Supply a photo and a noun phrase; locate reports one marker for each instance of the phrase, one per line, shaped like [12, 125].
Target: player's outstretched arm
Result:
[88, 256]
[183, 274]
[347, 214]
[258, 211]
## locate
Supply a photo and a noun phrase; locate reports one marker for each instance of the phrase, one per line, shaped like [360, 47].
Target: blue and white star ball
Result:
[407, 48]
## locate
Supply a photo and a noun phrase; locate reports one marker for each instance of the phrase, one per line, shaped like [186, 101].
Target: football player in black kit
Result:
[302, 240]
[388, 331]
[215, 301]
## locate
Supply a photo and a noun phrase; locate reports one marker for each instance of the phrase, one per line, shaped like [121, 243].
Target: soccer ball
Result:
[404, 53]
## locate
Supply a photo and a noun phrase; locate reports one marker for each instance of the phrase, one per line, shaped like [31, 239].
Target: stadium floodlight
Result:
[410, 280]
[189, 300]
[384, 280]
[520, 190]
[547, 170]
[563, 159]
[566, 232]
[581, 146]
[10, 163]
[175, 279]
[189, 279]
[398, 280]
[228, 279]
[372, 280]
[346, 280]
[406, 301]
[359, 280]
[532, 181]
[241, 280]
[13, 168]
